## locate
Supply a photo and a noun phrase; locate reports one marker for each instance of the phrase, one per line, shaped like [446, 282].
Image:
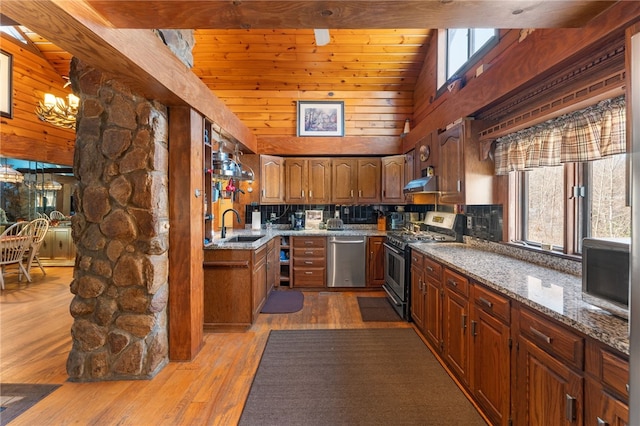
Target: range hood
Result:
[426, 184]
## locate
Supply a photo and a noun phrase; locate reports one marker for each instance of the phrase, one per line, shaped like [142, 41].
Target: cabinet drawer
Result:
[553, 338]
[417, 259]
[308, 252]
[309, 277]
[432, 269]
[493, 303]
[615, 373]
[309, 262]
[309, 242]
[456, 282]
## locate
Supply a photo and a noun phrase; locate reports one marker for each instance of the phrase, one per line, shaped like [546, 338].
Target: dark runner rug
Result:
[19, 397]
[376, 309]
[283, 302]
[353, 377]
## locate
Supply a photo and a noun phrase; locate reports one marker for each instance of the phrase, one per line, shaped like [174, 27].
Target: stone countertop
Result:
[223, 244]
[556, 294]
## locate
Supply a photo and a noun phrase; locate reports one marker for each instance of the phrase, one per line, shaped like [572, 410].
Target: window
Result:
[561, 205]
[459, 48]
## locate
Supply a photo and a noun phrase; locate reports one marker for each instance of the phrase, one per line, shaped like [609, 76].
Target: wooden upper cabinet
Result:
[271, 179]
[368, 180]
[345, 177]
[295, 180]
[307, 181]
[393, 179]
[319, 189]
[463, 178]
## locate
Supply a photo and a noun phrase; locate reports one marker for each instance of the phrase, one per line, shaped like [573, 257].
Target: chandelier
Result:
[58, 111]
[10, 175]
[49, 185]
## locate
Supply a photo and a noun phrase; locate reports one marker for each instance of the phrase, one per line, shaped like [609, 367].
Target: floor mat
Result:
[283, 302]
[377, 309]
[16, 398]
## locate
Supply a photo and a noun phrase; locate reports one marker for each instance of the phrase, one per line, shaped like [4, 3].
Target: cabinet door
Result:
[273, 264]
[368, 180]
[602, 408]
[490, 366]
[433, 312]
[548, 392]
[344, 175]
[319, 186]
[46, 249]
[259, 281]
[61, 243]
[417, 296]
[295, 178]
[393, 174]
[409, 172]
[271, 179]
[451, 183]
[375, 261]
[455, 339]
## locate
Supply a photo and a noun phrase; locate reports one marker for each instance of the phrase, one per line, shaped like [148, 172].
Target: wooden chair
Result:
[40, 228]
[56, 215]
[12, 250]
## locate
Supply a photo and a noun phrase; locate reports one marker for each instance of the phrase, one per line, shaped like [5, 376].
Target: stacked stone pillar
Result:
[121, 231]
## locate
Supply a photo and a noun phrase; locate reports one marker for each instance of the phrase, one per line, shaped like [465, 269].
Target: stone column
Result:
[120, 230]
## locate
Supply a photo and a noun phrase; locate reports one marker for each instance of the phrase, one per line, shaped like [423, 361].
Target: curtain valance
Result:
[589, 134]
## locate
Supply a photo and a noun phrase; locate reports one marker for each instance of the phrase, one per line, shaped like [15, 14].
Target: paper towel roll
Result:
[255, 220]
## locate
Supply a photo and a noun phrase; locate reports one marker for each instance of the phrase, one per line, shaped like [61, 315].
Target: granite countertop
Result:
[223, 244]
[557, 294]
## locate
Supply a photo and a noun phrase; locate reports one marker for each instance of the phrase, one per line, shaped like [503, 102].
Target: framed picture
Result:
[6, 91]
[320, 118]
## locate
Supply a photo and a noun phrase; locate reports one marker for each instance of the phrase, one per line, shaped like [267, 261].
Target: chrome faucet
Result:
[224, 229]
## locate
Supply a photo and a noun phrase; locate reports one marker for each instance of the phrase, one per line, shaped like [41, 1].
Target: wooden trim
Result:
[228, 264]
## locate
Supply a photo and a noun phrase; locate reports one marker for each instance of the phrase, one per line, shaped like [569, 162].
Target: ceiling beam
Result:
[346, 14]
[136, 56]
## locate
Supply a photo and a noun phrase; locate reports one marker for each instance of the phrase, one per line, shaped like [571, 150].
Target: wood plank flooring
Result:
[35, 340]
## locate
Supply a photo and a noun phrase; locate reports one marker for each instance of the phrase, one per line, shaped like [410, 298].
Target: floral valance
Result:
[589, 134]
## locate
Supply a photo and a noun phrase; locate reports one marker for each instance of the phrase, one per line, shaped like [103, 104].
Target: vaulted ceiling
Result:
[247, 52]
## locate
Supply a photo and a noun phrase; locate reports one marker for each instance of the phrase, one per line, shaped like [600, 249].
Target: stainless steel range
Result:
[437, 227]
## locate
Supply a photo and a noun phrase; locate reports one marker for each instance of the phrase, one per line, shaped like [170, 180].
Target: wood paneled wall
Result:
[24, 136]
[512, 66]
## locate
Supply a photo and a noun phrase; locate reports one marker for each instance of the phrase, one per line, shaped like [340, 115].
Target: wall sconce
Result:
[10, 175]
[407, 128]
[58, 111]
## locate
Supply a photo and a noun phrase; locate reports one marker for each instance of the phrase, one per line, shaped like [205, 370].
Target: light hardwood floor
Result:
[35, 340]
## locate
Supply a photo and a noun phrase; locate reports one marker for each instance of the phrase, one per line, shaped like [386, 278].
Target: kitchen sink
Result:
[243, 239]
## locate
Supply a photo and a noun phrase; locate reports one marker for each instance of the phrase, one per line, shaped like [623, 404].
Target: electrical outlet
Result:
[273, 216]
[346, 210]
[469, 222]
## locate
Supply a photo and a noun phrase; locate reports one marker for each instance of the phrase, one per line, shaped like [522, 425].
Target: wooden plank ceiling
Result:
[256, 58]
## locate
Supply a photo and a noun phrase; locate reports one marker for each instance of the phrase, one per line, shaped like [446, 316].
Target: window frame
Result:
[472, 60]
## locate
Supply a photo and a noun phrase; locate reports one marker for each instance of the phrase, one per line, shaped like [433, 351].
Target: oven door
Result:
[394, 271]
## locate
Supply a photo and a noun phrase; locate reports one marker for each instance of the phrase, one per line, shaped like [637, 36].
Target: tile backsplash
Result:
[486, 222]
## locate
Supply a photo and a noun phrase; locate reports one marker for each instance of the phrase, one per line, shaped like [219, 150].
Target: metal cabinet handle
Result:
[570, 408]
[308, 252]
[474, 330]
[310, 194]
[452, 282]
[308, 262]
[308, 243]
[464, 322]
[485, 302]
[352, 193]
[429, 268]
[360, 193]
[540, 335]
[459, 186]
[302, 194]
[602, 422]
[308, 273]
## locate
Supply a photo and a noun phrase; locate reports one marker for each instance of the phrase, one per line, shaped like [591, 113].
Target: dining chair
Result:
[56, 215]
[12, 250]
[40, 228]
[14, 229]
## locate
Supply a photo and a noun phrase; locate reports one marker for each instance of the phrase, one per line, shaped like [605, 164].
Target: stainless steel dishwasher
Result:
[346, 258]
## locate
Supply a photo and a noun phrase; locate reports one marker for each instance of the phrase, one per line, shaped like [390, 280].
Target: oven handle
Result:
[393, 249]
[393, 299]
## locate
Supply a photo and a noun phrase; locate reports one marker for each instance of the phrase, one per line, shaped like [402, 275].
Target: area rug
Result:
[353, 377]
[16, 398]
[283, 302]
[376, 309]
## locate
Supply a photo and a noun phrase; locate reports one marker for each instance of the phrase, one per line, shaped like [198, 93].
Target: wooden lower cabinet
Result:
[490, 362]
[375, 261]
[433, 297]
[455, 322]
[601, 408]
[235, 287]
[417, 290]
[548, 392]
[309, 261]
